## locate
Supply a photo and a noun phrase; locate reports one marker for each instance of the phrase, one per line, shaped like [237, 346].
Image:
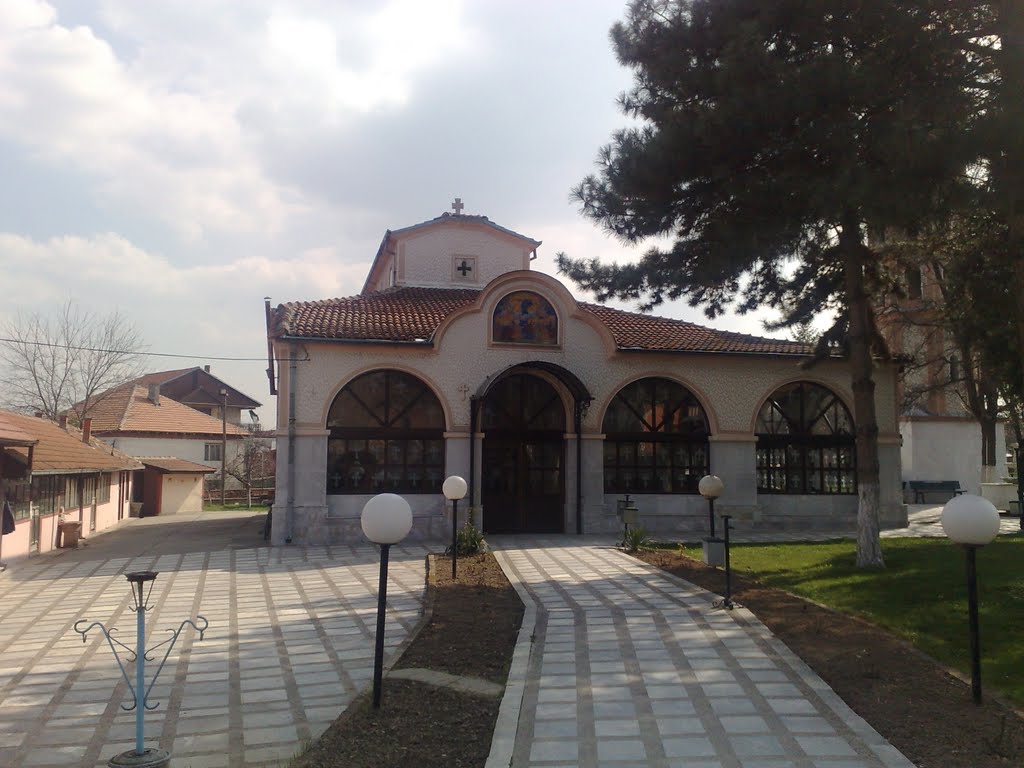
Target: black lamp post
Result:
[386, 520]
[711, 487]
[972, 522]
[454, 488]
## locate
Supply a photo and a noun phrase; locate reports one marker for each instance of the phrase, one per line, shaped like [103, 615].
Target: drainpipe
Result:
[579, 466]
[472, 457]
[293, 369]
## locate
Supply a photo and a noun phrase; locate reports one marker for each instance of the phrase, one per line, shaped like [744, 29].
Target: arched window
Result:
[805, 442]
[387, 435]
[656, 439]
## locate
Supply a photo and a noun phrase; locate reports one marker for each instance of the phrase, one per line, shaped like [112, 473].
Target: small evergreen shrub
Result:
[469, 540]
[636, 539]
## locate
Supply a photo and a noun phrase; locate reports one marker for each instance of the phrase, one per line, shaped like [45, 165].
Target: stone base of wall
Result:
[316, 526]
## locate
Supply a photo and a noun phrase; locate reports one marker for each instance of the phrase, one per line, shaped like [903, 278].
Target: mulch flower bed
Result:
[471, 631]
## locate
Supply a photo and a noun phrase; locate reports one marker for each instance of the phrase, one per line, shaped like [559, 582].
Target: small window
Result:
[213, 452]
[205, 409]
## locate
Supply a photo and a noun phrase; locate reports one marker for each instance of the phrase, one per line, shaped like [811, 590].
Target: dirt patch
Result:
[911, 700]
[471, 630]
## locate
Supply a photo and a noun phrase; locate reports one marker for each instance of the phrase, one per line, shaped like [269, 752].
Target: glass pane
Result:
[645, 454]
[552, 482]
[394, 452]
[663, 478]
[414, 452]
[627, 453]
[433, 451]
[645, 481]
[814, 482]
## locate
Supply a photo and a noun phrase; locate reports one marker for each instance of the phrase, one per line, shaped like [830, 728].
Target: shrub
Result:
[636, 539]
[469, 540]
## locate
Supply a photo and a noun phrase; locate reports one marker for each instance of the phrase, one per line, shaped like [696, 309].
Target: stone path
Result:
[631, 667]
[290, 643]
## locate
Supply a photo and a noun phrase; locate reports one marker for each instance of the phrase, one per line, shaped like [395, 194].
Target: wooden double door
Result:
[523, 472]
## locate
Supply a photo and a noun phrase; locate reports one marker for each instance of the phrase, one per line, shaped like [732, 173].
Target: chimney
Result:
[154, 393]
[86, 429]
[63, 421]
[206, 368]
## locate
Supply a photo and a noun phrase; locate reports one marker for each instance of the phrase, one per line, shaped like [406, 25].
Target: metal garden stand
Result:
[140, 757]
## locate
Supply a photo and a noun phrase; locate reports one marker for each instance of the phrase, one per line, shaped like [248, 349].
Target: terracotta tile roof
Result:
[411, 314]
[60, 450]
[171, 464]
[128, 409]
[397, 314]
[12, 434]
[633, 330]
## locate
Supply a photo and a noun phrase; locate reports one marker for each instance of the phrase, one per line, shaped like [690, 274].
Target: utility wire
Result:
[148, 354]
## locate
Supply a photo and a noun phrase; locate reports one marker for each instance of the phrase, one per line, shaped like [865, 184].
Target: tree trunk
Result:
[869, 545]
[1010, 170]
[988, 449]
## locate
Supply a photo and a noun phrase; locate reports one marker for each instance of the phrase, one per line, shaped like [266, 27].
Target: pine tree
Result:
[772, 135]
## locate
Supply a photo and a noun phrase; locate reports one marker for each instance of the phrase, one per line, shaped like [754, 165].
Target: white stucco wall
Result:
[425, 256]
[948, 450]
[730, 387]
[190, 449]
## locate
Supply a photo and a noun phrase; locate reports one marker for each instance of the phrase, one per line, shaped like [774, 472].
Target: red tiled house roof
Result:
[410, 314]
[62, 451]
[173, 465]
[128, 409]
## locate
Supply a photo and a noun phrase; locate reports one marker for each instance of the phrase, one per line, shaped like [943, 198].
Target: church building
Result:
[457, 358]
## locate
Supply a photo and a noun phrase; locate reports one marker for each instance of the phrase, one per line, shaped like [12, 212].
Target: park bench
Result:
[921, 487]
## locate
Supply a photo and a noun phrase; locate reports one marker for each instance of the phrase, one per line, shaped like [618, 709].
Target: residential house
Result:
[47, 469]
[458, 359]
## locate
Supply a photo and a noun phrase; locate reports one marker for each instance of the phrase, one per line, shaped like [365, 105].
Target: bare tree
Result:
[254, 464]
[66, 361]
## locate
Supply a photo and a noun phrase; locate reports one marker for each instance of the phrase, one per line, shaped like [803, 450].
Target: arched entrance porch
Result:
[524, 421]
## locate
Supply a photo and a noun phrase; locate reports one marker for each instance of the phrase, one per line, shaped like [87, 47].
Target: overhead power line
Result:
[146, 354]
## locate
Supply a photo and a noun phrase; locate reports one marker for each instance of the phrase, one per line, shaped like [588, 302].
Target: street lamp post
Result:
[386, 520]
[454, 488]
[971, 522]
[711, 487]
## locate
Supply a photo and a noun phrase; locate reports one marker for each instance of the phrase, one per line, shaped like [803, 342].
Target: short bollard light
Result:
[454, 488]
[142, 587]
[386, 520]
[971, 522]
[711, 487]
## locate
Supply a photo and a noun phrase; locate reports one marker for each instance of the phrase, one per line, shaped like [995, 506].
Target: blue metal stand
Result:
[140, 655]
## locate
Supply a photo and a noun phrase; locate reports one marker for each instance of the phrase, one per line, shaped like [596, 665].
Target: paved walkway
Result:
[290, 643]
[632, 667]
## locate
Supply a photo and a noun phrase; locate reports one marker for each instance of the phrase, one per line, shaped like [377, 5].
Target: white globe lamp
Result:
[972, 522]
[454, 488]
[386, 520]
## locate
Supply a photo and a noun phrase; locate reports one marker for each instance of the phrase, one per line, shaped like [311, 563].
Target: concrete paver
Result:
[633, 667]
[290, 643]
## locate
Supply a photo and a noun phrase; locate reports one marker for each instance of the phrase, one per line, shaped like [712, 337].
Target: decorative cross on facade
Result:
[464, 390]
[457, 206]
[464, 268]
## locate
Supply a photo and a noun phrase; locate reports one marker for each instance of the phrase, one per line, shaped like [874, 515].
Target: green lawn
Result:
[921, 595]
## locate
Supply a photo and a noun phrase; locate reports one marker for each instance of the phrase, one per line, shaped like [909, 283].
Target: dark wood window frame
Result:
[386, 457]
[659, 458]
[813, 453]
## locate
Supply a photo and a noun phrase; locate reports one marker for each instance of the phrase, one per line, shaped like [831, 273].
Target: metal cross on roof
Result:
[457, 206]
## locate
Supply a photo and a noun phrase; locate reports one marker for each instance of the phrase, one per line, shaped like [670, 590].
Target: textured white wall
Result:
[948, 450]
[425, 256]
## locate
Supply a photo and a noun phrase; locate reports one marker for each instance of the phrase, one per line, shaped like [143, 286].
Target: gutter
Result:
[293, 370]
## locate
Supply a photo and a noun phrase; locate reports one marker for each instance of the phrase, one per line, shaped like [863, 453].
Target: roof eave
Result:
[336, 340]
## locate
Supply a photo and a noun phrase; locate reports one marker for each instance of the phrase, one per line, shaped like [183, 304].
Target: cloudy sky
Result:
[181, 160]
